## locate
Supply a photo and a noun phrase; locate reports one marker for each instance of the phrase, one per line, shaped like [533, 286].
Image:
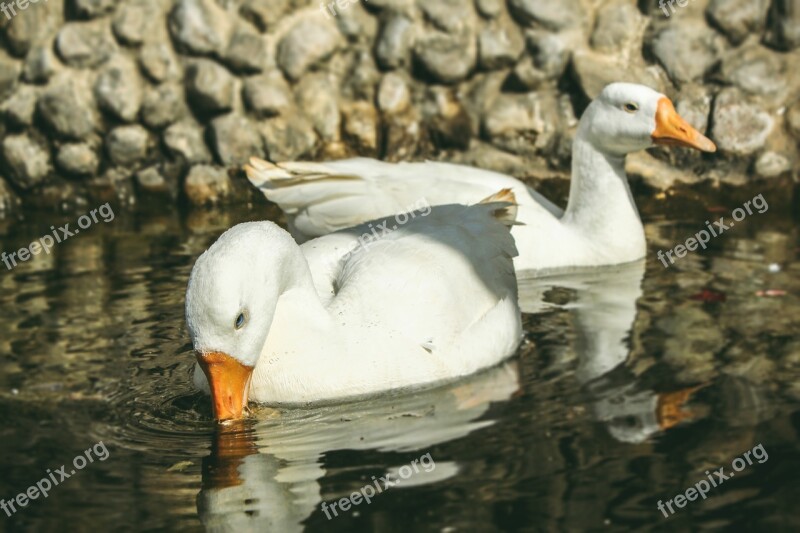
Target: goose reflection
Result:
[604, 313]
[264, 474]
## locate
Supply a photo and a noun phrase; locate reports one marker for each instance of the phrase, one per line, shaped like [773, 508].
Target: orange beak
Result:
[230, 384]
[671, 411]
[672, 130]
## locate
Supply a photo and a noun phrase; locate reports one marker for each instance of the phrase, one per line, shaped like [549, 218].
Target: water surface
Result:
[632, 381]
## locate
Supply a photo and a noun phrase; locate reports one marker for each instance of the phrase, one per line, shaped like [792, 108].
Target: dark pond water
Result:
[631, 384]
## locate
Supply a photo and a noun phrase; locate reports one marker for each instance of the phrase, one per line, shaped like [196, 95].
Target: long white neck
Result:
[601, 206]
[301, 321]
[304, 341]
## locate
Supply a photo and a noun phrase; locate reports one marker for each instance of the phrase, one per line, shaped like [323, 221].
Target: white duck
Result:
[600, 225]
[278, 323]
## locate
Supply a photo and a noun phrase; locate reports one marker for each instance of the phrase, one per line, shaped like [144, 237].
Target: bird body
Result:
[432, 300]
[600, 225]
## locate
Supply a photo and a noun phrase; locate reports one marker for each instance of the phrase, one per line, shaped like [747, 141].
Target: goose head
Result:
[230, 304]
[627, 117]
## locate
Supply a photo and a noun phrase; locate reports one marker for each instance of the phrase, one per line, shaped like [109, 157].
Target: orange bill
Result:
[672, 130]
[229, 381]
[671, 411]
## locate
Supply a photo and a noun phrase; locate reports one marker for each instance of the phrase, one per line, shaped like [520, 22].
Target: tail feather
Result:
[507, 213]
[266, 175]
[317, 198]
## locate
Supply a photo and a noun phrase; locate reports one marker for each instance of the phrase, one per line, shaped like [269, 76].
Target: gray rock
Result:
[40, 64]
[9, 74]
[85, 44]
[394, 95]
[489, 8]
[207, 185]
[361, 126]
[309, 41]
[263, 15]
[447, 119]
[739, 127]
[618, 25]
[551, 15]
[287, 139]
[118, 89]
[687, 50]
[772, 165]
[67, 108]
[127, 145]
[358, 24]
[267, 96]
[210, 87]
[499, 46]
[114, 185]
[738, 18]
[156, 181]
[756, 70]
[35, 26]
[550, 52]
[79, 159]
[162, 105]
[523, 124]
[199, 26]
[793, 119]
[318, 97]
[92, 8]
[784, 25]
[132, 20]
[27, 161]
[395, 42]
[528, 75]
[246, 53]
[447, 59]
[158, 62]
[403, 137]
[184, 141]
[450, 16]
[19, 109]
[694, 105]
[363, 78]
[235, 139]
[594, 72]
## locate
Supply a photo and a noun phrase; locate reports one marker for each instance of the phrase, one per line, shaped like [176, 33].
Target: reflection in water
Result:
[265, 475]
[604, 312]
[94, 348]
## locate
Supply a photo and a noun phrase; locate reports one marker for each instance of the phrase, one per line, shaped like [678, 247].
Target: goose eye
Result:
[630, 107]
[240, 320]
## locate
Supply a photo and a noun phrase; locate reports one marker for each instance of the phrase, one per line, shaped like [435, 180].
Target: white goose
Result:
[278, 323]
[600, 225]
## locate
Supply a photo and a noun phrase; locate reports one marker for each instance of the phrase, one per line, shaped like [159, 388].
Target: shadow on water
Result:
[631, 382]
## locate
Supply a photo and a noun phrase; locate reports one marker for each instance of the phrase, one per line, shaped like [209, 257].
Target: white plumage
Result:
[432, 300]
[600, 225]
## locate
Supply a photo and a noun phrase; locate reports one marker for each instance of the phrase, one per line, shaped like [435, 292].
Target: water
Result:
[631, 383]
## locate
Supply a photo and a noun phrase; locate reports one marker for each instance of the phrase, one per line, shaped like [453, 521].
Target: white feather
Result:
[331, 318]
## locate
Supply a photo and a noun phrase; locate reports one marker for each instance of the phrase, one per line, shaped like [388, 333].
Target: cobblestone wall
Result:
[144, 100]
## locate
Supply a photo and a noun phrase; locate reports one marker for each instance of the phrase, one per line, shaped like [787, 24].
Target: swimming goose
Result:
[600, 225]
[432, 299]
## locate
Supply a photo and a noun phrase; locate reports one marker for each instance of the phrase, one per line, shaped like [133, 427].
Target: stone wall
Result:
[146, 100]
